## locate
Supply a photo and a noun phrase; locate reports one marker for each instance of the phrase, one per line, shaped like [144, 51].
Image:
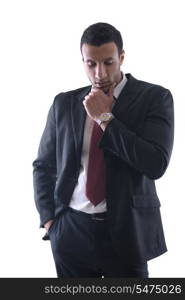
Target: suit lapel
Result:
[78, 116]
[126, 97]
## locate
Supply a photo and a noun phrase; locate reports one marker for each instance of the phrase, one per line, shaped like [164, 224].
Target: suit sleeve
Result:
[149, 152]
[44, 170]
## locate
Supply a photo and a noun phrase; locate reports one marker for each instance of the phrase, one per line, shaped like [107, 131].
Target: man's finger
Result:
[111, 90]
[94, 88]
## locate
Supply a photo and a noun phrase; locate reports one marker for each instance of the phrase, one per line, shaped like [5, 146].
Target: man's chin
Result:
[104, 89]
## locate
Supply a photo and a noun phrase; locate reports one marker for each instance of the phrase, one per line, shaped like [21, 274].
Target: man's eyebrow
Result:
[109, 58]
[91, 60]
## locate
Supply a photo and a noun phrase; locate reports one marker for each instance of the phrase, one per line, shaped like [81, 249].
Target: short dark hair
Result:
[100, 33]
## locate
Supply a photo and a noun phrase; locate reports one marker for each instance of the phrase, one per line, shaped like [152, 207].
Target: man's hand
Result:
[48, 224]
[97, 102]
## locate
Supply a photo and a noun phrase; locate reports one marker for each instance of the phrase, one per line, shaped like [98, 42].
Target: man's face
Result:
[102, 64]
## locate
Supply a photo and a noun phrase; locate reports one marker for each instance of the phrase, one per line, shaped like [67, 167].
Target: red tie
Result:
[95, 186]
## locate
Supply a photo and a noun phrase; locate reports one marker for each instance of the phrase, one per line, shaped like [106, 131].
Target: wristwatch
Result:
[104, 117]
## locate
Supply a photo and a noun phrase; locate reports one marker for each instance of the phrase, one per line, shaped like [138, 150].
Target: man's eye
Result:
[91, 65]
[108, 63]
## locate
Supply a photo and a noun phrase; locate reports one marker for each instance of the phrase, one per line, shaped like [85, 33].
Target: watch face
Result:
[105, 116]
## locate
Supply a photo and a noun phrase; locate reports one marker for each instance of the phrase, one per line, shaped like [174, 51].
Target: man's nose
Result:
[100, 72]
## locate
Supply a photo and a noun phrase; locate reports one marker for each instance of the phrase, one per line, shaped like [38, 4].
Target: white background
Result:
[40, 57]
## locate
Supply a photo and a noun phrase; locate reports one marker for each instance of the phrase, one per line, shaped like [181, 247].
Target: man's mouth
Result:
[102, 85]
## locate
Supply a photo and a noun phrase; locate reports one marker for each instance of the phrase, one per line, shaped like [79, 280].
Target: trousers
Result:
[82, 247]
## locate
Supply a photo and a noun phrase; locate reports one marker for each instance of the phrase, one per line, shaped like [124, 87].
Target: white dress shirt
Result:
[79, 200]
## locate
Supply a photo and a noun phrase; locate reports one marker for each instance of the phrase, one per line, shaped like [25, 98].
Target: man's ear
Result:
[122, 56]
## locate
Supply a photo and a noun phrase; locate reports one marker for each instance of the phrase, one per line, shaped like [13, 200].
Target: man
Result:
[102, 148]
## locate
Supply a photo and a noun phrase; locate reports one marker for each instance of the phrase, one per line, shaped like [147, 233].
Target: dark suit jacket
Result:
[137, 147]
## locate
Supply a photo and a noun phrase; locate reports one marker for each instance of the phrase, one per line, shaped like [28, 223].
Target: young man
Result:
[94, 177]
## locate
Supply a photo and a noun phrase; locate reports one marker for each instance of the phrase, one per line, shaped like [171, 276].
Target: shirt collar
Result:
[120, 86]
